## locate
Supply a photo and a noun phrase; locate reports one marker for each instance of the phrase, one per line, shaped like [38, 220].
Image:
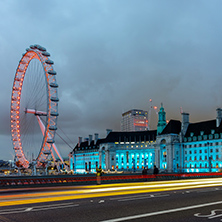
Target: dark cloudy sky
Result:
[114, 55]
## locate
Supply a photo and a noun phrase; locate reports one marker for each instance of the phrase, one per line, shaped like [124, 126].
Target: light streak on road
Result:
[106, 190]
[169, 184]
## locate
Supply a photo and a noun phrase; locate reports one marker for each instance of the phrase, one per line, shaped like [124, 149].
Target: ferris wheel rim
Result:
[40, 53]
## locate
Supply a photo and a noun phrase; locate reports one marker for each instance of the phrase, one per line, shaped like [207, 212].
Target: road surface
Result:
[168, 201]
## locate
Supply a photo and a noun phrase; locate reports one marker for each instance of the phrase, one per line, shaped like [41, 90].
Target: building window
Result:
[190, 152]
[200, 151]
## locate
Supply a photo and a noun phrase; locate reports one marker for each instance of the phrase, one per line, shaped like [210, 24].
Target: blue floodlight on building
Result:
[175, 147]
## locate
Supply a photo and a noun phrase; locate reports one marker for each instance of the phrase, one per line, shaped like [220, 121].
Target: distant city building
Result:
[179, 146]
[134, 120]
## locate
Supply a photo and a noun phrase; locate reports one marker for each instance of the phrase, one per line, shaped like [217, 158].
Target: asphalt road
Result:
[197, 204]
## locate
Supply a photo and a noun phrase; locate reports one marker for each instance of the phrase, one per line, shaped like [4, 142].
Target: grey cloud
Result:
[112, 56]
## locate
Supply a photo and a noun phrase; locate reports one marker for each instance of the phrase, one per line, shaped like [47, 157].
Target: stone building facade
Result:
[179, 146]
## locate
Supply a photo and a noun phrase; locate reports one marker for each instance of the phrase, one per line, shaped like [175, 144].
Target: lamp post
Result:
[34, 162]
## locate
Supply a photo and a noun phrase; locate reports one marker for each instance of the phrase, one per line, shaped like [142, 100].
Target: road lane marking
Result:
[212, 215]
[54, 205]
[37, 208]
[52, 208]
[219, 215]
[138, 198]
[21, 209]
[117, 198]
[29, 209]
[208, 190]
[162, 212]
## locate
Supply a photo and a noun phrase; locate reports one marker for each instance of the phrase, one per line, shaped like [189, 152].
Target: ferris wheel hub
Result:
[36, 112]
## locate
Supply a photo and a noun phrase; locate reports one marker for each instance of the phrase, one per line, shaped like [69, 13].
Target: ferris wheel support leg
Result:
[57, 152]
[42, 127]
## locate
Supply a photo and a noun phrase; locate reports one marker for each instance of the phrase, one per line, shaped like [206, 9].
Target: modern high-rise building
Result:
[134, 120]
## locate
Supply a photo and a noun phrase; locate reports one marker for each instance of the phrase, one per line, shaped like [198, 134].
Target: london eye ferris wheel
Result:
[34, 107]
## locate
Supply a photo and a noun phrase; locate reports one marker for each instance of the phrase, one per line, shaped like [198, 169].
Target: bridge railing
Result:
[72, 180]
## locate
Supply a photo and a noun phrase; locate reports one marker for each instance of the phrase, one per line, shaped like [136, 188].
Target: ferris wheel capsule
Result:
[54, 99]
[54, 85]
[51, 72]
[46, 54]
[41, 48]
[50, 62]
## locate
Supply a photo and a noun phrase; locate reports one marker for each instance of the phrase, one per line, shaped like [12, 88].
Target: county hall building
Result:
[179, 146]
